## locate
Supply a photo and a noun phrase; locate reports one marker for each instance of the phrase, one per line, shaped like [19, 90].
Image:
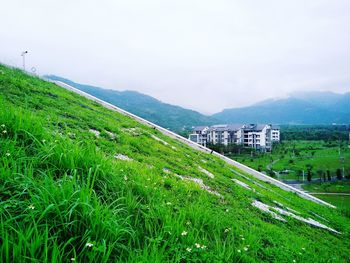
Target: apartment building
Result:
[199, 135]
[257, 136]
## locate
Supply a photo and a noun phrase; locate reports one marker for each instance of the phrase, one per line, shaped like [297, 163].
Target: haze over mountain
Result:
[299, 108]
[166, 115]
[313, 107]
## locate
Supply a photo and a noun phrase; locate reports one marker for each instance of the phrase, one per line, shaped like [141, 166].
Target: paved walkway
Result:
[196, 146]
[269, 166]
[299, 187]
[330, 193]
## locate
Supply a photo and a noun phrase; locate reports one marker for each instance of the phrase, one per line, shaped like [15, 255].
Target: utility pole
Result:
[23, 54]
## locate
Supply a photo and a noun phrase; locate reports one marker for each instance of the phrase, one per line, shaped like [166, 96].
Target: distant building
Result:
[223, 134]
[257, 136]
[199, 135]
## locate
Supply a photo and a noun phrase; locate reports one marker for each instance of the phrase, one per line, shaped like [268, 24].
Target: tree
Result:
[320, 174]
[271, 173]
[309, 172]
[260, 168]
[329, 175]
[309, 175]
[339, 175]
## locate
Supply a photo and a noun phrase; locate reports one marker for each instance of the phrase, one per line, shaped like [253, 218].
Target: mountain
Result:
[166, 115]
[299, 108]
[83, 183]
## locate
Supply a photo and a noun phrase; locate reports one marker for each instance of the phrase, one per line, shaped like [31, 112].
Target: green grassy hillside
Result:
[82, 183]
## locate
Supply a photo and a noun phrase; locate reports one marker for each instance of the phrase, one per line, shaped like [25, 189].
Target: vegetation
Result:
[329, 133]
[322, 108]
[82, 183]
[336, 193]
[337, 187]
[290, 159]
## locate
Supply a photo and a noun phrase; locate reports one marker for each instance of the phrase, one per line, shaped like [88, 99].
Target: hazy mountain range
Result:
[299, 108]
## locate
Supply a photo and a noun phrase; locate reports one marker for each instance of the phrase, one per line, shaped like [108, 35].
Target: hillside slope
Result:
[82, 183]
[166, 115]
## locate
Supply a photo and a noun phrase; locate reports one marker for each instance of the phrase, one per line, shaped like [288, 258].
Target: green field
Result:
[79, 182]
[339, 187]
[340, 201]
[295, 157]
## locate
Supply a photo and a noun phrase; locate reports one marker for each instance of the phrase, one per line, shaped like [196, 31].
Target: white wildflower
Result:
[188, 223]
[184, 233]
[203, 247]
[88, 244]
[239, 251]
[4, 131]
[2, 125]
[245, 249]
[125, 178]
[197, 245]
[168, 203]
[188, 249]
[72, 259]
[227, 230]
[31, 207]
[8, 154]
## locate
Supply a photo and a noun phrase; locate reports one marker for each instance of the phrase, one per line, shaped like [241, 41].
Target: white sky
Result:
[206, 55]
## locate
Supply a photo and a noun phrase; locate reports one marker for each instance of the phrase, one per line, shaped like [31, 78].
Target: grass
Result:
[336, 187]
[341, 201]
[65, 197]
[296, 156]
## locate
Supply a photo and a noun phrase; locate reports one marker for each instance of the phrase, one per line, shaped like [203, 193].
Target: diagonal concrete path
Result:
[196, 146]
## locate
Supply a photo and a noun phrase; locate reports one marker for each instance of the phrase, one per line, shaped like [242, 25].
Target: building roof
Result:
[199, 128]
[234, 127]
[249, 126]
[260, 127]
[226, 127]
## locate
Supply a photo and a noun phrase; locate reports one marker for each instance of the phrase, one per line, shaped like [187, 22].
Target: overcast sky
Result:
[205, 55]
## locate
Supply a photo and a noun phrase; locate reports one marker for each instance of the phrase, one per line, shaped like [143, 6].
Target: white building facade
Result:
[255, 136]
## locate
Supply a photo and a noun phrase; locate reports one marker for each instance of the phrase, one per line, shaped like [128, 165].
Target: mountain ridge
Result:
[309, 107]
[305, 108]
